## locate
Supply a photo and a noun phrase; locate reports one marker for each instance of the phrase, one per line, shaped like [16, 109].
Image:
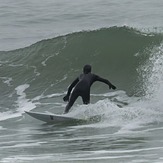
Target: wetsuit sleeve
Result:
[66, 98]
[98, 78]
[72, 86]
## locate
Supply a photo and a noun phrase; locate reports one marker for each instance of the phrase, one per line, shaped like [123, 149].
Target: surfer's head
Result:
[87, 69]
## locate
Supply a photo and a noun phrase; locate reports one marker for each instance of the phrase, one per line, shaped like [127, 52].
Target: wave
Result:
[119, 54]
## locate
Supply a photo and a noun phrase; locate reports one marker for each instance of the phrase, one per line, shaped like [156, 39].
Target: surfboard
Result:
[52, 118]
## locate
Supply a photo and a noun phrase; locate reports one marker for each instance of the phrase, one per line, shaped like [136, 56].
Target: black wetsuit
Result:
[82, 86]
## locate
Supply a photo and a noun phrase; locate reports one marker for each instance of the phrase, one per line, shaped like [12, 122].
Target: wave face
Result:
[119, 54]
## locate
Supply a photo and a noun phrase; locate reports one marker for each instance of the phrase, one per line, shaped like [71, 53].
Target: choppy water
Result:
[123, 41]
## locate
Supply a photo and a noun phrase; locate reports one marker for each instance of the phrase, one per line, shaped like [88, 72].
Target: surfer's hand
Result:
[112, 87]
[66, 98]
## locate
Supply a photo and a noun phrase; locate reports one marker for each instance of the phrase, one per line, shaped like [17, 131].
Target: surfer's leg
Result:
[72, 99]
[86, 98]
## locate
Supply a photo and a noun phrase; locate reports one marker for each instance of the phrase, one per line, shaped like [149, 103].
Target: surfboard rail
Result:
[52, 118]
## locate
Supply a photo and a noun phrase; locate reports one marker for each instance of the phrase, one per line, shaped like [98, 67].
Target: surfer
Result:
[82, 85]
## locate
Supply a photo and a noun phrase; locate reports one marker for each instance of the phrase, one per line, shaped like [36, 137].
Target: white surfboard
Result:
[52, 118]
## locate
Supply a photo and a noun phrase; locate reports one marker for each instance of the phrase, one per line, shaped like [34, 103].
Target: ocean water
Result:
[43, 47]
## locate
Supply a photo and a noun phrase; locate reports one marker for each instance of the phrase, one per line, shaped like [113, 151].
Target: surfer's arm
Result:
[72, 86]
[111, 86]
[66, 98]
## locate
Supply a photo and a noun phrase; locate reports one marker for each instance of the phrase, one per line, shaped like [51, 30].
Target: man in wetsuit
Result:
[82, 85]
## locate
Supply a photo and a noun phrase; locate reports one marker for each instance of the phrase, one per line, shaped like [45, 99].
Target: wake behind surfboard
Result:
[52, 118]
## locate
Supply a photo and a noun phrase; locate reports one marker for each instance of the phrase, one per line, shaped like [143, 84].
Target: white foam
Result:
[37, 98]
[99, 108]
[152, 73]
[35, 71]
[6, 80]
[44, 62]
[8, 115]
[22, 102]
[152, 76]
[28, 158]
[129, 118]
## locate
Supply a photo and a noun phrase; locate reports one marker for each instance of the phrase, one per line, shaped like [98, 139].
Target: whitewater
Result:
[43, 48]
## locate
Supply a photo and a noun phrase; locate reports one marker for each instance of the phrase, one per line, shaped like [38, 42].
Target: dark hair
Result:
[87, 69]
